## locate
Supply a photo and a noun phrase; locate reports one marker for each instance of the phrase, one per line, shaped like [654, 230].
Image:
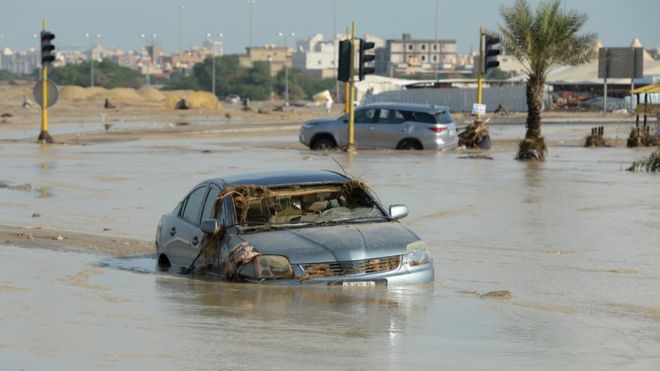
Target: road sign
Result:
[620, 63]
[478, 109]
[53, 93]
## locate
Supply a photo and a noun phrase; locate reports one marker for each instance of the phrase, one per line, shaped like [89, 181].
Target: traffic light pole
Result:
[44, 137]
[351, 107]
[480, 76]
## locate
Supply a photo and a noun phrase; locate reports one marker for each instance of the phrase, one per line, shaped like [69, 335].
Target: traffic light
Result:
[344, 67]
[491, 52]
[47, 54]
[365, 58]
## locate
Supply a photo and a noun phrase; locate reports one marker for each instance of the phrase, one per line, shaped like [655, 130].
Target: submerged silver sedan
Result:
[294, 227]
[386, 125]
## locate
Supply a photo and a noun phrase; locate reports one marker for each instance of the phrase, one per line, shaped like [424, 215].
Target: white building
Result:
[318, 57]
[22, 63]
[315, 56]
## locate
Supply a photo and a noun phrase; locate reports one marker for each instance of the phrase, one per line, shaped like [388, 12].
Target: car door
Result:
[185, 232]
[364, 119]
[389, 128]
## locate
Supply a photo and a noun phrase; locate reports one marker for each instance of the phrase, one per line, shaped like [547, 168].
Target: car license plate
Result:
[359, 283]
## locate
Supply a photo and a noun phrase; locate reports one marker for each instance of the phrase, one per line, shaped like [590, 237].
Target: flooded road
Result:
[574, 239]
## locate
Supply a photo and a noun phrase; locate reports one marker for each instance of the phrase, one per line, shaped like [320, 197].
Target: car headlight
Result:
[416, 254]
[268, 267]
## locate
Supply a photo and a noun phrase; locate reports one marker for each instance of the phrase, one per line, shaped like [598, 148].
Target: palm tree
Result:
[542, 40]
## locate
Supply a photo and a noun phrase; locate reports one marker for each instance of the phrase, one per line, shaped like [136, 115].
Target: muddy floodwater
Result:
[575, 240]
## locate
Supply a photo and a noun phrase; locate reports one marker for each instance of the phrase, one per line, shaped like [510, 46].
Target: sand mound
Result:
[72, 92]
[151, 94]
[15, 92]
[121, 95]
[195, 99]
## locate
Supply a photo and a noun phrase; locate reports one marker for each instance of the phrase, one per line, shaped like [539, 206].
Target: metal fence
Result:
[459, 100]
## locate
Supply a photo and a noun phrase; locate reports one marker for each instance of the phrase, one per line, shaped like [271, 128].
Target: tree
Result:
[301, 85]
[107, 74]
[542, 41]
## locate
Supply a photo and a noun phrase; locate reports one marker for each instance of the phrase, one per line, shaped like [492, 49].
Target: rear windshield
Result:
[444, 117]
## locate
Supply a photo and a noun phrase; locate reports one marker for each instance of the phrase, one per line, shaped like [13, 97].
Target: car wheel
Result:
[410, 144]
[324, 143]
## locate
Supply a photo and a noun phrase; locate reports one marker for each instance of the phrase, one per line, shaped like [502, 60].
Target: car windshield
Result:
[444, 117]
[303, 205]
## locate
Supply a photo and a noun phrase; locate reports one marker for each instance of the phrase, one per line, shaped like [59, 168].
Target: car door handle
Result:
[172, 231]
[195, 241]
[371, 128]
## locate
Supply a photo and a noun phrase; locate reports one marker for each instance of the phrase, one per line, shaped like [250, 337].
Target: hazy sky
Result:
[120, 22]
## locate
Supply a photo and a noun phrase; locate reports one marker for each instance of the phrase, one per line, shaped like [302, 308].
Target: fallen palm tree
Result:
[650, 164]
[475, 136]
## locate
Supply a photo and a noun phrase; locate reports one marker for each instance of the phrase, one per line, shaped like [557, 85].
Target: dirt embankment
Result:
[73, 241]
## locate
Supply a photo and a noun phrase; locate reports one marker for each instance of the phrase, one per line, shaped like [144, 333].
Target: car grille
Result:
[375, 265]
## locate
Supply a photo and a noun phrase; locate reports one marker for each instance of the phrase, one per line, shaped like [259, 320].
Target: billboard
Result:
[620, 63]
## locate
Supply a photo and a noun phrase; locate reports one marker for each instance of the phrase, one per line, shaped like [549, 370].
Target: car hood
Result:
[321, 122]
[334, 243]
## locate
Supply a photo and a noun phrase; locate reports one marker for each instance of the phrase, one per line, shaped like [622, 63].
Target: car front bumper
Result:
[404, 275]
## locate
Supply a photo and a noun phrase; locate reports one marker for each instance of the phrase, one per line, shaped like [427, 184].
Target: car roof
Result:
[281, 178]
[429, 108]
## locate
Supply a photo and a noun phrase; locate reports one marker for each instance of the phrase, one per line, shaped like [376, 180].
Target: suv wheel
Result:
[410, 144]
[324, 143]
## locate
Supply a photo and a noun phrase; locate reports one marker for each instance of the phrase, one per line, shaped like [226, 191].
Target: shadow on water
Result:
[138, 264]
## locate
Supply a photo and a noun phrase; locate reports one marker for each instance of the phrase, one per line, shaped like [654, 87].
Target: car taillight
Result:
[437, 130]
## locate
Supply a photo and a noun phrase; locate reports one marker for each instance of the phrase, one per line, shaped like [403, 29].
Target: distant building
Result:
[187, 59]
[318, 57]
[22, 63]
[215, 46]
[315, 56]
[408, 55]
[275, 56]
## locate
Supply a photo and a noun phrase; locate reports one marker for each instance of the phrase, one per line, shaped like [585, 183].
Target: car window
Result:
[365, 116]
[209, 211]
[444, 117]
[419, 117]
[389, 116]
[193, 208]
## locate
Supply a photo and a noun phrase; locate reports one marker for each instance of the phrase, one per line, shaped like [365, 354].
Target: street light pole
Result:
[286, 69]
[91, 57]
[214, 55]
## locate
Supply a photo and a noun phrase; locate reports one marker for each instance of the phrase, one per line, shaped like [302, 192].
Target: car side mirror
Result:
[398, 211]
[210, 226]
